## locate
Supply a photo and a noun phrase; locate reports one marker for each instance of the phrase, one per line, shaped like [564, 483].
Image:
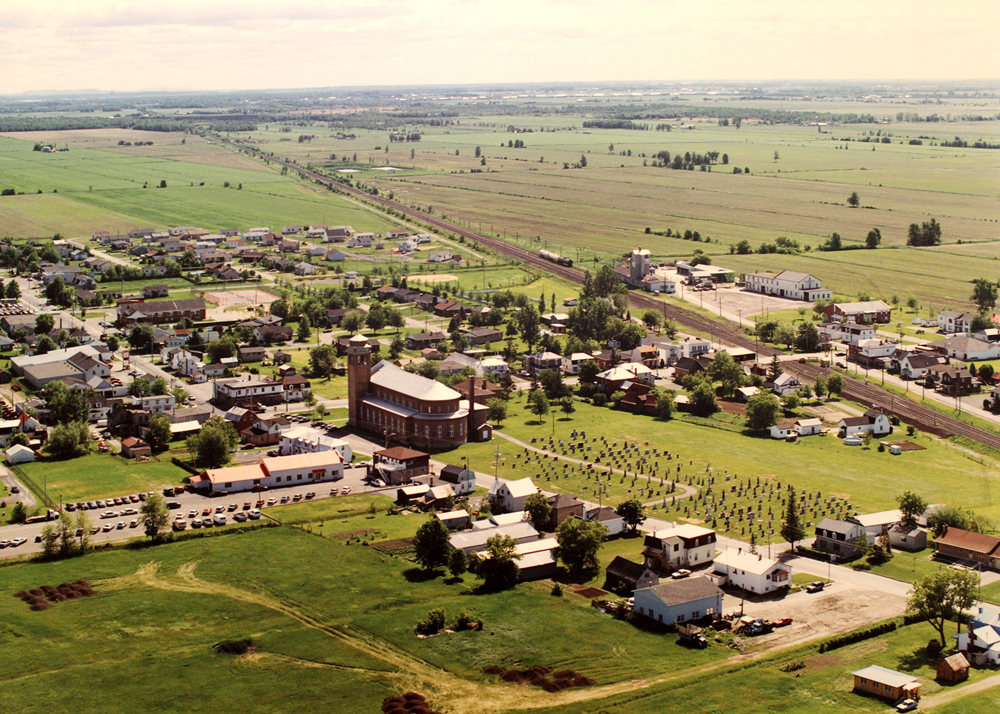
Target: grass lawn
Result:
[908, 567]
[862, 480]
[101, 475]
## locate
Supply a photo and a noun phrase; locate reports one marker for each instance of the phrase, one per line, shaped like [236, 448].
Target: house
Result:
[439, 496]
[856, 334]
[980, 640]
[264, 431]
[868, 312]
[786, 383]
[495, 367]
[679, 600]
[154, 291]
[131, 312]
[133, 448]
[483, 335]
[783, 430]
[875, 353]
[873, 422]
[537, 363]
[246, 392]
[274, 333]
[399, 464]
[624, 576]
[273, 472]
[462, 481]
[914, 365]
[449, 308]
[787, 284]
[474, 541]
[754, 573]
[571, 363]
[679, 547]
[913, 540]
[307, 440]
[482, 390]
[509, 496]
[251, 354]
[297, 388]
[886, 684]
[304, 268]
[953, 669]
[336, 256]
[155, 404]
[808, 427]
[421, 340]
[958, 544]
[952, 321]
[957, 381]
[611, 380]
[441, 256]
[456, 363]
[563, 508]
[838, 537]
[608, 518]
[453, 519]
[967, 349]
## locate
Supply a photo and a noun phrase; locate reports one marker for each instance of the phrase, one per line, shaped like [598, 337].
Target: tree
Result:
[154, 516]
[774, 370]
[942, 596]
[457, 562]
[835, 385]
[141, 338]
[113, 343]
[911, 506]
[305, 329]
[322, 360]
[724, 369]
[807, 339]
[45, 345]
[551, 381]
[784, 335]
[499, 570]
[763, 410]
[538, 404]
[50, 540]
[567, 405]
[67, 533]
[631, 336]
[820, 387]
[652, 319]
[223, 347]
[13, 290]
[589, 370]
[66, 404]
[633, 513]
[18, 514]
[44, 323]
[791, 528]
[579, 543]
[529, 324]
[139, 387]
[703, 401]
[496, 410]
[665, 404]
[583, 161]
[159, 432]
[873, 239]
[912, 303]
[82, 524]
[537, 506]
[791, 401]
[431, 544]
[69, 440]
[928, 233]
[853, 201]
[984, 294]
[352, 321]
[213, 443]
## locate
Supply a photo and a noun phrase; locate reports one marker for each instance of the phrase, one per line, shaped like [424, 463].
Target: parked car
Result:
[907, 705]
[253, 515]
[682, 573]
[782, 622]
[815, 586]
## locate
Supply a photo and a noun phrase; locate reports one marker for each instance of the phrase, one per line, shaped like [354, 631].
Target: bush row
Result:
[858, 636]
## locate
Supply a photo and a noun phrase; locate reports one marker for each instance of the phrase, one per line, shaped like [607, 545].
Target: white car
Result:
[254, 514]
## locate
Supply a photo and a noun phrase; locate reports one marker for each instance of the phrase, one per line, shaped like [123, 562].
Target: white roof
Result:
[536, 546]
[745, 560]
[385, 374]
[492, 362]
[55, 356]
[882, 518]
[577, 356]
[452, 515]
[19, 449]
[521, 487]
[478, 538]
[685, 530]
[815, 421]
[629, 370]
[783, 378]
[867, 306]
[307, 433]
[885, 676]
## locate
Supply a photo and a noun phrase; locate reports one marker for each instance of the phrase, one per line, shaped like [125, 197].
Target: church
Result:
[406, 408]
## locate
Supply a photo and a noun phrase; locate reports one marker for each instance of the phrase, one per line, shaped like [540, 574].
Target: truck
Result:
[49, 515]
[750, 626]
[690, 634]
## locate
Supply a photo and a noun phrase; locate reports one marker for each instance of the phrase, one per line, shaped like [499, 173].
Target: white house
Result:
[305, 268]
[872, 422]
[983, 633]
[608, 518]
[968, 349]
[753, 573]
[156, 404]
[336, 256]
[785, 383]
[571, 363]
[914, 365]
[679, 547]
[953, 321]
[855, 334]
[495, 366]
[782, 430]
[441, 256]
[693, 347]
[509, 496]
[462, 481]
[678, 600]
[808, 427]
[788, 284]
[306, 440]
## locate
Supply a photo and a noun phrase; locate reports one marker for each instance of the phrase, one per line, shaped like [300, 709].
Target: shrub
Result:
[434, 622]
[600, 399]
[557, 590]
[465, 621]
[934, 647]
[234, 647]
[858, 636]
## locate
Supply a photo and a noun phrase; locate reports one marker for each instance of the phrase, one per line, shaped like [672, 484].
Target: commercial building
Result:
[135, 311]
[788, 284]
[273, 472]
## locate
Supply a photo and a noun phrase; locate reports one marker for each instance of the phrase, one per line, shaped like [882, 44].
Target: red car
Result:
[782, 622]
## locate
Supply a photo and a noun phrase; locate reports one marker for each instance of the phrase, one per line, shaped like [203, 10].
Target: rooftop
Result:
[678, 592]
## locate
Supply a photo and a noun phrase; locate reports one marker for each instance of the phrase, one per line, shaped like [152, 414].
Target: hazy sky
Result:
[244, 44]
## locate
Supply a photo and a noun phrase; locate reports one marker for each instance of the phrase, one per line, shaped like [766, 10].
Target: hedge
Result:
[857, 636]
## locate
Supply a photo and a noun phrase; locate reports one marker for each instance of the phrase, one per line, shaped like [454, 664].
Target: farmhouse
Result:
[914, 365]
[952, 321]
[509, 496]
[867, 312]
[753, 573]
[785, 383]
[838, 537]
[608, 518]
[787, 284]
[679, 547]
[679, 600]
[959, 544]
[873, 422]
[462, 481]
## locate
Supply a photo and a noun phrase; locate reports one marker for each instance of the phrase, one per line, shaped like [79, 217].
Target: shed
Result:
[453, 519]
[19, 454]
[133, 448]
[624, 575]
[953, 669]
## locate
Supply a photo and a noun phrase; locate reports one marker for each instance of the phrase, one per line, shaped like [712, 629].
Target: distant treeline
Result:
[26, 123]
[615, 124]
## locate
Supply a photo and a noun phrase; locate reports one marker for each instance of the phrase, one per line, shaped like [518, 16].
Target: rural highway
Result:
[921, 417]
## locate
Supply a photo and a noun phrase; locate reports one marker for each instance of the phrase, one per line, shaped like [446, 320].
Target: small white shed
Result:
[19, 454]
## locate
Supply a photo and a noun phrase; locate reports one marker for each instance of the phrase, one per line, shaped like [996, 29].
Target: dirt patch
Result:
[822, 661]
[538, 676]
[905, 445]
[589, 593]
[354, 534]
[41, 598]
[402, 546]
[732, 407]
[434, 278]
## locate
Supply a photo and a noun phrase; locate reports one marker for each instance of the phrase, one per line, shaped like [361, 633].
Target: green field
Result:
[101, 475]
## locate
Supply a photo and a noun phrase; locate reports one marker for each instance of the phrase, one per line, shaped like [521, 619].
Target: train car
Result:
[555, 258]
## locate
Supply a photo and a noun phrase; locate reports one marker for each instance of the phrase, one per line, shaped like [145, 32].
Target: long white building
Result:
[274, 472]
[788, 284]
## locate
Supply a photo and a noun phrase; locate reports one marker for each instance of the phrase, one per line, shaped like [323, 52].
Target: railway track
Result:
[857, 390]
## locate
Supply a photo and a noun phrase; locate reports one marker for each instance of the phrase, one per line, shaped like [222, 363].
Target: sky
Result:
[135, 45]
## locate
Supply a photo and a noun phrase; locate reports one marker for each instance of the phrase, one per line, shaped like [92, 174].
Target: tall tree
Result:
[853, 200]
[835, 385]
[724, 369]
[942, 596]
[873, 239]
[154, 516]
[579, 543]
[763, 411]
[499, 570]
[791, 528]
[984, 294]
[529, 323]
[159, 432]
[538, 403]
[633, 513]
[539, 509]
[305, 328]
[431, 545]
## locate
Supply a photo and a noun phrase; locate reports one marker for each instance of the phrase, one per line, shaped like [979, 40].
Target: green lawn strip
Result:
[101, 475]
